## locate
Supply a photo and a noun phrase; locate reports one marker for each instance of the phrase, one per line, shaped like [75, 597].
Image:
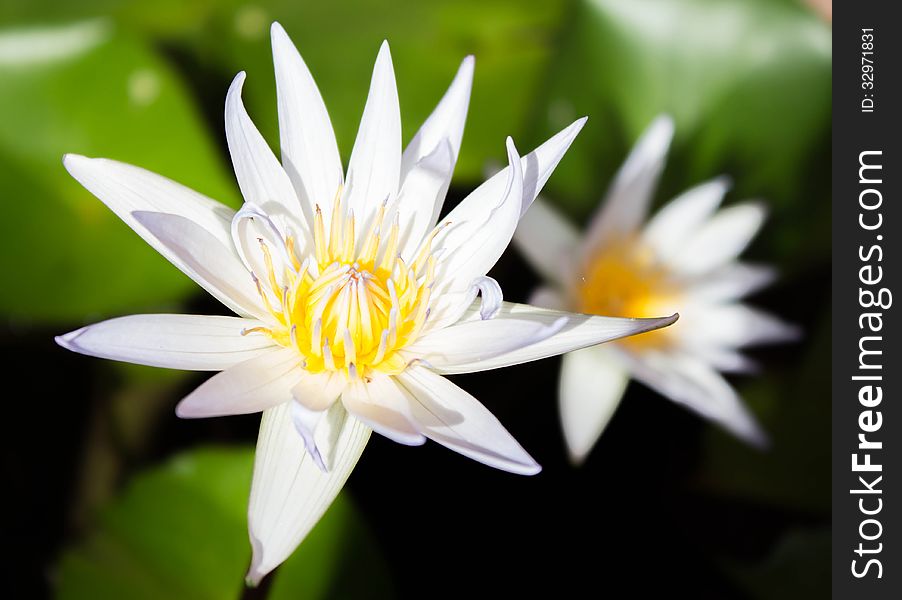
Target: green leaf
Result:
[340, 544]
[91, 89]
[748, 84]
[180, 531]
[798, 567]
[513, 41]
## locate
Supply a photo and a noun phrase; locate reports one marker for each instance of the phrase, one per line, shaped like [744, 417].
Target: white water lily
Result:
[683, 259]
[353, 300]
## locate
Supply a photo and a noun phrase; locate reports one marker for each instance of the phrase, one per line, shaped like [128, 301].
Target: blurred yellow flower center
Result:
[349, 307]
[625, 279]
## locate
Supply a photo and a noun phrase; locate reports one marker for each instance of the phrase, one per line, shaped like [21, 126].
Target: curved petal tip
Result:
[67, 340]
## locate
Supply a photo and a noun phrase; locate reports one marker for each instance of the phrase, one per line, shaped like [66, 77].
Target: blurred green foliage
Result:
[747, 82]
[798, 568]
[748, 85]
[89, 89]
[180, 531]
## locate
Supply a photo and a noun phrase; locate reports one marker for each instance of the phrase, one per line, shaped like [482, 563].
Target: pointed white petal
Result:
[448, 308]
[262, 179]
[290, 493]
[546, 297]
[203, 258]
[548, 241]
[724, 359]
[309, 151]
[190, 342]
[317, 391]
[428, 161]
[591, 385]
[720, 240]
[579, 331]
[690, 382]
[485, 201]
[248, 387]
[384, 407]
[126, 189]
[421, 197]
[129, 191]
[733, 281]
[446, 123]
[450, 416]
[539, 164]
[626, 203]
[260, 243]
[305, 423]
[375, 166]
[478, 230]
[679, 219]
[476, 341]
[736, 326]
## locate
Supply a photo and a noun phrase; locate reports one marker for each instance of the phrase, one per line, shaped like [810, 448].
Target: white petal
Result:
[375, 166]
[591, 385]
[248, 387]
[579, 331]
[679, 219]
[421, 197]
[190, 342]
[450, 416]
[548, 241]
[735, 326]
[129, 190]
[732, 281]
[317, 391]
[491, 297]
[384, 407]
[721, 239]
[446, 123]
[626, 202]
[725, 359]
[428, 161]
[448, 308]
[309, 152]
[476, 341]
[290, 493]
[478, 230]
[262, 179]
[305, 423]
[261, 245]
[690, 382]
[126, 189]
[203, 258]
[539, 164]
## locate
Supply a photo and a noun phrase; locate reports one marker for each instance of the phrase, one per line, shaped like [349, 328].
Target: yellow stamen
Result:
[626, 279]
[347, 307]
[289, 246]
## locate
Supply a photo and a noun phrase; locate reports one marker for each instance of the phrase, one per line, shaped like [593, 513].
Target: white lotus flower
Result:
[352, 303]
[682, 260]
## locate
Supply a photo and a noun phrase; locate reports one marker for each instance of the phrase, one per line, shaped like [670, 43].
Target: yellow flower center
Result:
[624, 278]
[349, 307]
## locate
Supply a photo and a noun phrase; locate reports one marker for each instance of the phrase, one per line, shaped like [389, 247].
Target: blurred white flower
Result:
[683, 259]
[353, 302]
